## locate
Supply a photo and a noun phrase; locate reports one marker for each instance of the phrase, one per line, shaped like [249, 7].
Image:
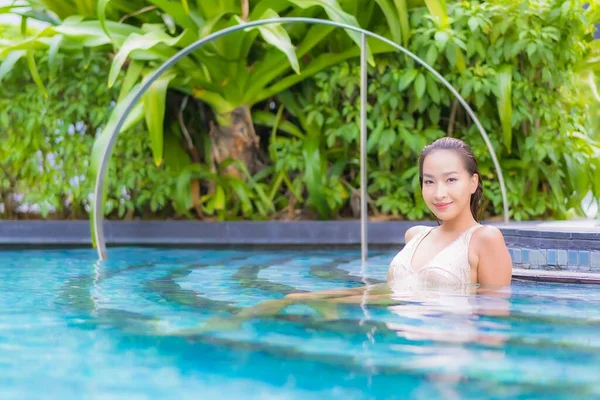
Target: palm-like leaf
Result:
[154, 109]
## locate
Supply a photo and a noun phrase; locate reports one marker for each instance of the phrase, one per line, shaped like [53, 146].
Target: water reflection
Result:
[443, 337]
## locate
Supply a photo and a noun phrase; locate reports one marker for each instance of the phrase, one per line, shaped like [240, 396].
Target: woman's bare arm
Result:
[494, 269]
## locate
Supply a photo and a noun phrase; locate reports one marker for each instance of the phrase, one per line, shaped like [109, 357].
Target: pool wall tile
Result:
[584, 258]
[573, 257]
[525, 256]
[518, 258]
[562, 257]
[552, 258]
[541, 256]
[596, 259]
[533, 258]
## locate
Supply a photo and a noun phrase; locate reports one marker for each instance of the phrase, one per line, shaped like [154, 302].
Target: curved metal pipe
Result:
[99, 187]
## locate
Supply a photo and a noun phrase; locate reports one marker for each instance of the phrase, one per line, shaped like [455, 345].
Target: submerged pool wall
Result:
[554, 250]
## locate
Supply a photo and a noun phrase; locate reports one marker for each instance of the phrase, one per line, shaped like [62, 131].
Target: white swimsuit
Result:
[449, 269]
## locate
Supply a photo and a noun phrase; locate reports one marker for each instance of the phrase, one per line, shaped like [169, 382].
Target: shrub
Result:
[45, 145]
[520, 79]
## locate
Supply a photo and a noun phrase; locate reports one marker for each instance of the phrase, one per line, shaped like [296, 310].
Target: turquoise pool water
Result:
[129, 328]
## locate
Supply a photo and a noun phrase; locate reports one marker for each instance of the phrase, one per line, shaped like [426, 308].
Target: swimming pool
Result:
[129, 328]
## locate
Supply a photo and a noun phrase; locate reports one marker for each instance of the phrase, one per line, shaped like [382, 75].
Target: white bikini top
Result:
[449, 269]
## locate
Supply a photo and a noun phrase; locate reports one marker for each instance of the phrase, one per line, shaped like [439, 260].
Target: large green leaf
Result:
[34, 72]
[596, 177]
[241, 189]
[134, 71]
[591, 80]
[578, 177]
[335, 13]
[84, 7]
[134, 117]
[209, 9]
[264, 199]
[402, 9]
[137, 42]
[268, 119]
[277, 36]
[273, 64]
[154, 109]
[504, 82]
[9, 61]
[101, 11]
[185, 18]
[319, 64]
[53, 48]
[37, 41]
[314, 177]
[91, 33]
[61, 8]
[186, 6]
[438, 9]
[178, 160]
[393, 20]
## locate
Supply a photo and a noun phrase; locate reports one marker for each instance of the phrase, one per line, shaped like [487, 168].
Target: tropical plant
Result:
[515, 62]
[522, 81]
[231, 74]
[45, 144]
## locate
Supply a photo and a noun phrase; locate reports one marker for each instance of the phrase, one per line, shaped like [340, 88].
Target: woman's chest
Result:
[432, 265]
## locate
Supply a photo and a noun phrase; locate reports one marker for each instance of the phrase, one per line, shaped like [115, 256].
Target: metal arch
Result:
[99, 186]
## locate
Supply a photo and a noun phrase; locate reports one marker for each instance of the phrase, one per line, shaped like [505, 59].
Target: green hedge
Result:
[492, 52]
[547, 153]
[45, 145]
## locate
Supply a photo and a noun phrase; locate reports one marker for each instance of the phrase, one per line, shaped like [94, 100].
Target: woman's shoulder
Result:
[494, 264]
[487, 235]
[413, 231]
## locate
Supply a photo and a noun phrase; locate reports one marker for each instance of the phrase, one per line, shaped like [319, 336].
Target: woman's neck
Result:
[460, 223]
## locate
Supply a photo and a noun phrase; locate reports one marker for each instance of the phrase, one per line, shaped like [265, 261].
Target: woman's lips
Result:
[442, 206]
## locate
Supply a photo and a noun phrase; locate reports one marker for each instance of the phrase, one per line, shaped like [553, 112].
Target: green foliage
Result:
[238, 70]
[45, 146]
[231, 198]
[521, 81]
[525, 67]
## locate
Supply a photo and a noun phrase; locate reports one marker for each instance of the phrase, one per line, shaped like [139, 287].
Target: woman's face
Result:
[447, 185]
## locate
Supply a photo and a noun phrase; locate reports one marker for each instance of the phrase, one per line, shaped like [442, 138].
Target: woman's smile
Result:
[442, 206]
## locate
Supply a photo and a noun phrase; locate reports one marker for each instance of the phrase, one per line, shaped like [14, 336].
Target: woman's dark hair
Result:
[466, 154]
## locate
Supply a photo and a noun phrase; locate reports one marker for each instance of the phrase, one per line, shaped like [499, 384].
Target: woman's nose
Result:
[440, 192]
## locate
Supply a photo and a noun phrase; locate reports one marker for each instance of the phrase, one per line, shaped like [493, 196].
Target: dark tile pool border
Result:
[531, 247]
[202, 233]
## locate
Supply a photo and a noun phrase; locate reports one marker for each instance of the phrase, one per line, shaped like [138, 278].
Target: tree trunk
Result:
[237, 140]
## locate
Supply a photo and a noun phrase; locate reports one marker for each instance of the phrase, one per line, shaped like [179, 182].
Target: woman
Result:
[454, 257]
[460, 251]
[457, 254]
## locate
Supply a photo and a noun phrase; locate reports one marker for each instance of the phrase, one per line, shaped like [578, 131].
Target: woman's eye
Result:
[428, 182]
[452, 179]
